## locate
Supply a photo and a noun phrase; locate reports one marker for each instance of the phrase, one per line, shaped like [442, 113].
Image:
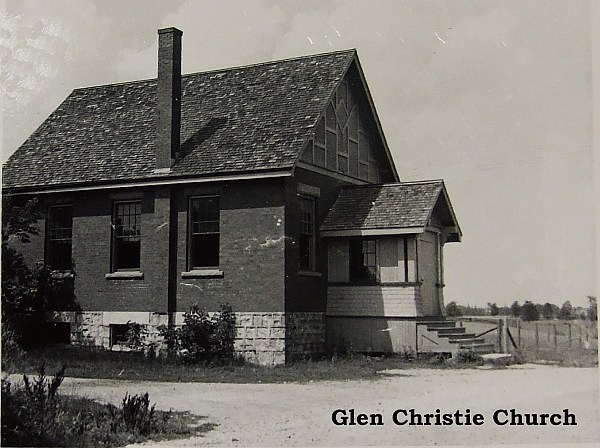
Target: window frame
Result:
[312, 244]
[50, 241]
[364, 268]
[191, 267]
[116, 238]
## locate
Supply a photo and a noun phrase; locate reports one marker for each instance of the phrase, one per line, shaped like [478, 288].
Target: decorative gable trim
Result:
[347, 137]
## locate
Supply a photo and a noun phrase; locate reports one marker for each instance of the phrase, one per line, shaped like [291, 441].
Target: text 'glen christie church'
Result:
[270, 187]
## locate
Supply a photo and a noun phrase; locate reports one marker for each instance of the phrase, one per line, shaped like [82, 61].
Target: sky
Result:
[496, 98]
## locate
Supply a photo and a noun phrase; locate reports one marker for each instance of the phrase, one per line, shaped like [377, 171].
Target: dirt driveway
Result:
[300, 414]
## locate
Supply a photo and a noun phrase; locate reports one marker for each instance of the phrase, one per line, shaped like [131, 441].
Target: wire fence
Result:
[509, 333]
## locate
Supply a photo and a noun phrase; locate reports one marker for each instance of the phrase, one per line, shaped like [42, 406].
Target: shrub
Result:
[203, 338]
[11, 350]
[137, 413]
[469, 357]
[30, 415]
[35, 415]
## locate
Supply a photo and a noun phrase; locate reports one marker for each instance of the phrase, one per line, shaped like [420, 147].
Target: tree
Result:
[453, 310]
[493, 309]
[547, 311]
[593, 308]
[27, 293]
[529, 311]
[515, 309]
[566, 311]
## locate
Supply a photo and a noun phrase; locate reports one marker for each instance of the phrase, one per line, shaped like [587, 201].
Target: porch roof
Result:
[397, 208]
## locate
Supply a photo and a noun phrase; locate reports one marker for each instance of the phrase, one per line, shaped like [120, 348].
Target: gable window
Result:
[363, 260]
[127, 226]
[59, 243]
[307, 240]
[204, 232]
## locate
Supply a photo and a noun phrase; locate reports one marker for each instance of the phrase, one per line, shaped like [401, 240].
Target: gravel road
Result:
[300, 414]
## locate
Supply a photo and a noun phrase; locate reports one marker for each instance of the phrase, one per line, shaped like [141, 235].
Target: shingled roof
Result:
[403, 206]
[241, 120]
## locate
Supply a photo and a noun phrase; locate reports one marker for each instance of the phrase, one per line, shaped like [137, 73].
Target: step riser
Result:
[484, 348]
[458, 337]
[457, 330]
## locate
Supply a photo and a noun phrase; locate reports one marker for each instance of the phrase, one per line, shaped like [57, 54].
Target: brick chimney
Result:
[168, 123]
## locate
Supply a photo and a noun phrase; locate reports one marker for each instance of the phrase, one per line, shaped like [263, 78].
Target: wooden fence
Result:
[509, 333]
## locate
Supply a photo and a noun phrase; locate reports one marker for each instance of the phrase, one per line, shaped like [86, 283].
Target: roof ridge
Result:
[257, 64]
[223, 70]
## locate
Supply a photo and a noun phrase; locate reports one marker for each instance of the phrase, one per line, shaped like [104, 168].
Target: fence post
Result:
[537, 336]
[555, 336]
[500, 334]
[519, 333]
[580, 336]
[569, 334]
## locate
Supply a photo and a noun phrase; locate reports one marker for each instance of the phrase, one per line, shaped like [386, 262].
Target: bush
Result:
[203, 338]
[11, 350]
[137, 413]
[469, 357]
[35, 415]
[30, 415]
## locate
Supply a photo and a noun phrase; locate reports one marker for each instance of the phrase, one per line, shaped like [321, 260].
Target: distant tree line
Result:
[528, 311]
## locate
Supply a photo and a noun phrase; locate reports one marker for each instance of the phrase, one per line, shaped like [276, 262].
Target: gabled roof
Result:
[390, 208]
[240, 120]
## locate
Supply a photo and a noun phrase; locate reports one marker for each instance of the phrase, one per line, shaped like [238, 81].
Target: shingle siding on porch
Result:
[376, 300]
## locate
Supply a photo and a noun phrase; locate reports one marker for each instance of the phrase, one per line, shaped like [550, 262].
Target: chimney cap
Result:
[171, 29]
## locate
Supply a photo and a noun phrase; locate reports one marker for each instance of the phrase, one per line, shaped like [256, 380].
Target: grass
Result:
[83, 362]
[35, 414]
[94, 363]
[561, 356]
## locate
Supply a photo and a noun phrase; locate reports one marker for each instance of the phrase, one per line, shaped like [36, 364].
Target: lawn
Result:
[85, 362]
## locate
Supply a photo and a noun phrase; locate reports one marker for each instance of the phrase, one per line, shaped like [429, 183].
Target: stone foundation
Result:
[306, 335]
[260, 337]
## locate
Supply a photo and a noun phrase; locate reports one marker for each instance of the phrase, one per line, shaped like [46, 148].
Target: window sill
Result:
[61, 275]
[309, 274]
[202, 273]
[125, 275]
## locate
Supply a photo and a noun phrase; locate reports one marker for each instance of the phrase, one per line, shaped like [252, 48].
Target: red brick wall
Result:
[307, 294]
[92, 253]
[251, 253]
[251, 248]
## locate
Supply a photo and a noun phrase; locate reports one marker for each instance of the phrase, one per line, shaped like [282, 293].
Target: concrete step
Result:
[452, 336]
[451, 330]
[467, 341]
[477, 348]
[434, 324]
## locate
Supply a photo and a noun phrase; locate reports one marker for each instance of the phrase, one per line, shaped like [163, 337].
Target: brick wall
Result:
[306, 293]
[92, 242]
[252, 245]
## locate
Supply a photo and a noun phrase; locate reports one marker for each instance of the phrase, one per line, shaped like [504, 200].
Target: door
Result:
[429, 273]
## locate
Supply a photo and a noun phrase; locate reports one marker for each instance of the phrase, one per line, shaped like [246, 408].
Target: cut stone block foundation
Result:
[261, 338]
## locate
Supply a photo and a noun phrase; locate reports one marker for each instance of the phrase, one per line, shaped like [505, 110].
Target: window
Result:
[307, 233]
[363, 260]
[127, 225]
[118, 334]
[60, 231]
[204, 232]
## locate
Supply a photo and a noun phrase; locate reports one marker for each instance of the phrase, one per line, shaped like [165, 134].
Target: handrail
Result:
[430, 340]
[486, 332]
